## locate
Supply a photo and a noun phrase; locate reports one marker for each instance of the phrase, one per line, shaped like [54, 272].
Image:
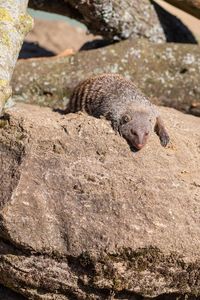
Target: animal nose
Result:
[139, 146]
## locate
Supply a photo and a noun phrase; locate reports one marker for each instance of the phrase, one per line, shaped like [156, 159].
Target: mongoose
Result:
[118, 100]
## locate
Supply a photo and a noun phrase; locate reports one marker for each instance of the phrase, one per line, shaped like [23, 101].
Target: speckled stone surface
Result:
[83, 217]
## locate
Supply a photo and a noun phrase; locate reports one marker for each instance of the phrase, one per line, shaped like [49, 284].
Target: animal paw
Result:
[164, 139]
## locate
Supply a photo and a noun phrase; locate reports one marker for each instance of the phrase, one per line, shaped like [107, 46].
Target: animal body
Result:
[120, 101]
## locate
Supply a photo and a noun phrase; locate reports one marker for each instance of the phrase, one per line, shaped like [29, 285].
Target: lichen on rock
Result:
[11, 13]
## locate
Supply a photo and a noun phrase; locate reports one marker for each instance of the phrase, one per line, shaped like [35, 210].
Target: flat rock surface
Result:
[72, 187]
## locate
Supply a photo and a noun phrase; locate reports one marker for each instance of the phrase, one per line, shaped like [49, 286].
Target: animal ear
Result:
[125, 119]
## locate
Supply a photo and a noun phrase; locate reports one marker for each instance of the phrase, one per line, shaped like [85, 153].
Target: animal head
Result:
[136, 127]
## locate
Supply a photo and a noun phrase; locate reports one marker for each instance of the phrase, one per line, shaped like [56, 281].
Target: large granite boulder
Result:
[83, 217]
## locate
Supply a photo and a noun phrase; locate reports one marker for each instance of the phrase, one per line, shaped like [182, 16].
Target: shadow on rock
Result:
[30, 50]
[174, 29]
[97, 43]
[7, 294]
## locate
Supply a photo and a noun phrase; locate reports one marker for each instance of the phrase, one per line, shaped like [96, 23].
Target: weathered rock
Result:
[83, 217]
[121, 19]
[168, 73]
[15, 23]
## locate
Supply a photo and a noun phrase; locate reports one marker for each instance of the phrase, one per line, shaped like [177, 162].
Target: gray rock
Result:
[122, 19]
[83, 217]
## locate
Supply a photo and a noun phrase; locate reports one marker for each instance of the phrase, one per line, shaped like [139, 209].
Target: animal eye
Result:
[126, 119]
[147, 133]
[133, 132]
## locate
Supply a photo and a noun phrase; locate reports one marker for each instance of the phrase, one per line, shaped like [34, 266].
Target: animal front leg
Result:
[115, 126]
[161, 132]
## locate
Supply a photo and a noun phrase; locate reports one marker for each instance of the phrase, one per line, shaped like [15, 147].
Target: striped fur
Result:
[109, 95]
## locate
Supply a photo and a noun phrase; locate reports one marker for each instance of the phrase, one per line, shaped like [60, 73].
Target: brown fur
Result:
[118, 100]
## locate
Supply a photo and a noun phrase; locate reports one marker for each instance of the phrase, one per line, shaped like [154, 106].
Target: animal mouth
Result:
[139, 146]
[135, 147]
[132, 144]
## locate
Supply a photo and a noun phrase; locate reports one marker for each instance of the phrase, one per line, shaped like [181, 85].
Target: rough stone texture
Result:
[168, 73]
[15, 23]
[190, 6]
[121, 19]
[83, 217]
